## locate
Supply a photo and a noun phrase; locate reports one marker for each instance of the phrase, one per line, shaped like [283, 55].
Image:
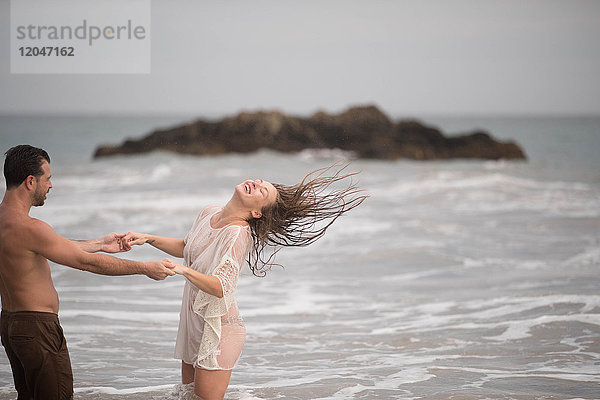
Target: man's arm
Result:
[111, 243]
[63, 251]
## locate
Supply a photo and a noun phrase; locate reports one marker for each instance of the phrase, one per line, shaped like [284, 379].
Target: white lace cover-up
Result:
[211, 332]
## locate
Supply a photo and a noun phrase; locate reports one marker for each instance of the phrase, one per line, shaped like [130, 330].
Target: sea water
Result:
[454, 280]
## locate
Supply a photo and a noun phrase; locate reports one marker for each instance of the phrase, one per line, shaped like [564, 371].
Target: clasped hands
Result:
[123, 242]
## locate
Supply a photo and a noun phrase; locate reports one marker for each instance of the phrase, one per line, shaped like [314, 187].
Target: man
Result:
[29, 326]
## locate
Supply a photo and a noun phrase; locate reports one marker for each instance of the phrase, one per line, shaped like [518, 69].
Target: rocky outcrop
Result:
[365, 131]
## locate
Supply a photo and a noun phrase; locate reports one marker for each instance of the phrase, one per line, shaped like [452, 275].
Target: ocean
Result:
[460, 279]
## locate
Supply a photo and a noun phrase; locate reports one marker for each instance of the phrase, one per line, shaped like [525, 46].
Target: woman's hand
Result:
[172, 246]
[134, 238]
[176, 267]
[208, 284]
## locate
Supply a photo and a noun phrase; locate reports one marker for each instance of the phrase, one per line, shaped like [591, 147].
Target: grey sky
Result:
[409, 57]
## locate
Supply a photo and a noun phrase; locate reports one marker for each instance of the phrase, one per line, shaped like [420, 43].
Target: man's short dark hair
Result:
[21, 161]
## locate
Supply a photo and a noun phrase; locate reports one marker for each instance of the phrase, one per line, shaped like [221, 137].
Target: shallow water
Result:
[455, 280]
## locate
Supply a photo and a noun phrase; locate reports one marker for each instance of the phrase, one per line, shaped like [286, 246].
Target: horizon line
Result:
[220, 115]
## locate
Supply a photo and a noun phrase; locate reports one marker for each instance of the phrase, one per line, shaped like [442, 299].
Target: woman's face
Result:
[256, 194]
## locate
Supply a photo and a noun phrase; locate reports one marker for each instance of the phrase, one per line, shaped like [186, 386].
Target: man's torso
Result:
[25, 279]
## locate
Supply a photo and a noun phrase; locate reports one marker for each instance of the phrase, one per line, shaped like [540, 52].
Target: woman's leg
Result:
[211, 385]
[187, 373]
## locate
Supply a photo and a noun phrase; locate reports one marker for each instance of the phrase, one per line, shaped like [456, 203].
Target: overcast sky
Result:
[409, 57]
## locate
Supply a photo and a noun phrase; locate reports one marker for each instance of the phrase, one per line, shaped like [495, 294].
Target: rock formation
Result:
[365, 131]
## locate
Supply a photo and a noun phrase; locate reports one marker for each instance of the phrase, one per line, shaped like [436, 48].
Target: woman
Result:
[211, 333]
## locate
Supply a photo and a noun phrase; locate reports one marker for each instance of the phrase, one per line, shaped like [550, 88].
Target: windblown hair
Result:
[302, 213]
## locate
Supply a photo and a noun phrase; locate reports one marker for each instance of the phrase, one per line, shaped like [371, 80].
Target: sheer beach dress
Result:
[211, 332]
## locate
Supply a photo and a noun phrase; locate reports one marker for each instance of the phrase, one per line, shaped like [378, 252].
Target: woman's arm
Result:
[171, 246]
[207, 283]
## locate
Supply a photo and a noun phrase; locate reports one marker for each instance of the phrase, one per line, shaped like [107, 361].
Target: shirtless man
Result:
[29, 326]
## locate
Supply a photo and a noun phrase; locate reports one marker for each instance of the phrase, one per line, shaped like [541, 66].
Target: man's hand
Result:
[113, 243]
[158, 270]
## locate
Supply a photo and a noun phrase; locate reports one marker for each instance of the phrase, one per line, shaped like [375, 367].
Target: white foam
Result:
[488, 374]
[519, 329]
[8, 390]
[411, 276]
[112, 390]
[590, 256]
[474, 192]
[325, 154]
[82, 331]
[160, 172]
[299, 298]
[95, 298]
[137, 287]
[476, 314]
[138, 316]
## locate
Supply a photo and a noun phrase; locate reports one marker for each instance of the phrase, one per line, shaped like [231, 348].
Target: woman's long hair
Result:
[302, 213]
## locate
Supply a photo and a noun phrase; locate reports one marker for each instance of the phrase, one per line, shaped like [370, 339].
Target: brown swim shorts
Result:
[38, 355]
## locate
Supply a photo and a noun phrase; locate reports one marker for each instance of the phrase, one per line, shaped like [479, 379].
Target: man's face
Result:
[43, 186]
